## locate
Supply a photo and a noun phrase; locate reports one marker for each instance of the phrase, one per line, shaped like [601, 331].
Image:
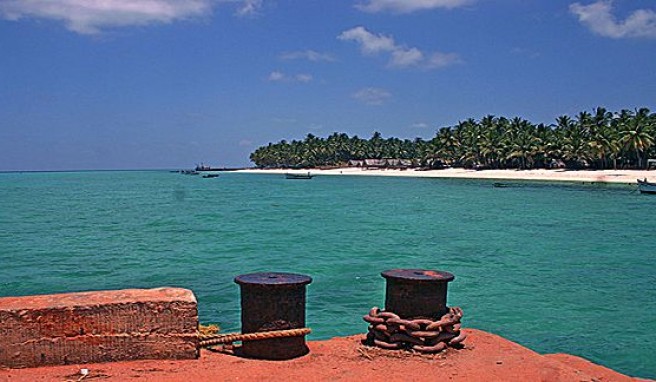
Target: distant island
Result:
[597, 141]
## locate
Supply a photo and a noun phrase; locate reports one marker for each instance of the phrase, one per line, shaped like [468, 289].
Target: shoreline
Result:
[628, 177]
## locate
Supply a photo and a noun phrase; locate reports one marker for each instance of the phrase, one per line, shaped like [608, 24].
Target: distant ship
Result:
[205, 168]
[202, 167]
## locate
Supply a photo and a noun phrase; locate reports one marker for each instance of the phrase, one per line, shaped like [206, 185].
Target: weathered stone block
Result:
[99, 326]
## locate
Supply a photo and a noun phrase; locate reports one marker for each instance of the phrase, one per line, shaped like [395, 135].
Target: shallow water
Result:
[556, 267]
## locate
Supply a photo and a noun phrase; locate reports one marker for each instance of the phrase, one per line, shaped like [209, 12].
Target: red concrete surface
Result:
[486, 357]
[98, 327]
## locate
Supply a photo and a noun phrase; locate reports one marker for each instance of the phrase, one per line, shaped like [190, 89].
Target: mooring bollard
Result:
[412, 293]
[416, 316]
[273, 301]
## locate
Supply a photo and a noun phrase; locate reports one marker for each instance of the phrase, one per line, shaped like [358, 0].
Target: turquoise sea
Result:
[556, 267]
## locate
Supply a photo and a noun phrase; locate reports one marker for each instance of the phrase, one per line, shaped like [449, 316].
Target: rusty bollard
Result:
[413, 293]
[273, 301]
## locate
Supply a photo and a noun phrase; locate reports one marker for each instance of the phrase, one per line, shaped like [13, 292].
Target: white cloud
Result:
[441, 60]
[598, 18]
[369, 43]
[277, 76]
[420, 125]
[249, 7]
[303, 77]
[400, 55]
[94, 16]
[406, 57]
[372, 96]
[91, 16]
[532, 54]
[309, 55]
[408, 6]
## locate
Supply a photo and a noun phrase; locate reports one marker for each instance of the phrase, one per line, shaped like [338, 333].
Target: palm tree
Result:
[376, 142]
[493, 146]
[603, 138]
[468, 133]
[635, 134]
[522, 142]
[574, 140]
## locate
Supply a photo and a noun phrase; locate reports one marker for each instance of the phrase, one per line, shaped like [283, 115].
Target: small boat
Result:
[291, 175]
[646, 187]
[211, 176]
[500, 185]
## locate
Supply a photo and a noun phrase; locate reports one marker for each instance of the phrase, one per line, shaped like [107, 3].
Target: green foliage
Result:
[597, 140]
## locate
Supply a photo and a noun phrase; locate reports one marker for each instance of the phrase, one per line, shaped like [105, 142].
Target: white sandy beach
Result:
[560, 175]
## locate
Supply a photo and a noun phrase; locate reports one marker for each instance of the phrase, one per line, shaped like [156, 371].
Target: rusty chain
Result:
[389, 331]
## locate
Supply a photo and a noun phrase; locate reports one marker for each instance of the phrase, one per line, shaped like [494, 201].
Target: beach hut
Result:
[392, 162]
[374, 164]
[406, 163]
[356, 163]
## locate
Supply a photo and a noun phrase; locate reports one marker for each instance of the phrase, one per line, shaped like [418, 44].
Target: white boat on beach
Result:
[646, 187]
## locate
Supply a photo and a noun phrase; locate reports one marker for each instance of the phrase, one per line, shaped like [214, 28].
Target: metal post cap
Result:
[273, 279]
[418, 275]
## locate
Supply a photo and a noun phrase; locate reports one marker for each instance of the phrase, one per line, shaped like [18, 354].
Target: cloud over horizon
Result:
[400, 55]
[91, 17]
[420, 125]
[277, 76]
[309, 55]
[598, 17]
[372, 96]
[408, 6]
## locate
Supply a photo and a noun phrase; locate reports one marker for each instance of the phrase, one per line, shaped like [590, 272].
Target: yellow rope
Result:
[229, 338]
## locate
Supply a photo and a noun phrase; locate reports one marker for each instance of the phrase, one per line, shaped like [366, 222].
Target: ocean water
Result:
[556, 267]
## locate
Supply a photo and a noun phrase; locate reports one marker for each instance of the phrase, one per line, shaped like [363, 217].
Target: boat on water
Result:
[211, 176]
[189, 172]
[646, 187]
[291, 175]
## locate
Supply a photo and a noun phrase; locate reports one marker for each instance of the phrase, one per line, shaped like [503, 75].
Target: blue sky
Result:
[126, 84]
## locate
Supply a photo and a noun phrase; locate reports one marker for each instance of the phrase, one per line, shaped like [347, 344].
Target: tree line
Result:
[597, 140]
